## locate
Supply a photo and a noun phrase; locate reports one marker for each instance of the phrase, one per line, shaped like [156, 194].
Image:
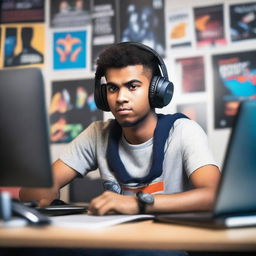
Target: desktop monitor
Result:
[24, 139]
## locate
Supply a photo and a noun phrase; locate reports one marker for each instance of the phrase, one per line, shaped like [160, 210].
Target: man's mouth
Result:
[123, 111]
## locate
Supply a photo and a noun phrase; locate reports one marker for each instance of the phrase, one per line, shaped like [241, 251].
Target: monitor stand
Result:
[9, 208]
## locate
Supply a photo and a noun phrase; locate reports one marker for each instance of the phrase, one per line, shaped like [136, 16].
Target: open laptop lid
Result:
[237, 190]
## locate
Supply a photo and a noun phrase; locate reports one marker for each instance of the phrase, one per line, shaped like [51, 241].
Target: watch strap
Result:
[142, 206]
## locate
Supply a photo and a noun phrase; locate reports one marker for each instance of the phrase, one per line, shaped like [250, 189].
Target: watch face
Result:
[146, 198]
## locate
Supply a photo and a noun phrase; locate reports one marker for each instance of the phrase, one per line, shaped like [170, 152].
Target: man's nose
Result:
[122, 95]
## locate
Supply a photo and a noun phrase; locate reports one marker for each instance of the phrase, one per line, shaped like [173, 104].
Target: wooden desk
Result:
[136, 235]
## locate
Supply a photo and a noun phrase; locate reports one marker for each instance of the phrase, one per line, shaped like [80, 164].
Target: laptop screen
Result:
[237, 189]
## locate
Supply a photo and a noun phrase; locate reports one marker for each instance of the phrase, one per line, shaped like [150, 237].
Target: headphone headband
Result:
[146, 48]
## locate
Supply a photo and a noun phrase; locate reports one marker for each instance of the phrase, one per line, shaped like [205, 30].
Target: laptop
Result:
[235, 202]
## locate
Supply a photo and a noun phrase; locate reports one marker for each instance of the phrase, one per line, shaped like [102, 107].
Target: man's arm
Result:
[62, 175]
[205, 181]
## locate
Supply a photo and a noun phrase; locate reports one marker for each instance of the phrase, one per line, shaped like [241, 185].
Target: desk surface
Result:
[136, 235]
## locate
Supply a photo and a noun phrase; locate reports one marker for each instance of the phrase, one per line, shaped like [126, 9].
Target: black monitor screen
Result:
[24, 141]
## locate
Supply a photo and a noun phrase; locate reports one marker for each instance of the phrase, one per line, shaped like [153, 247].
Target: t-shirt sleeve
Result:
[80, 154]
[195, 147]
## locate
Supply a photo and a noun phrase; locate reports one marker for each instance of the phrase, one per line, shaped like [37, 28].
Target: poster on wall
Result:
[143, 21]
[72, 109]
[70, 13]
[23, 44]
[13, 11]
[242, 21]
[179, 28]
[209, 26]
[69, 50]
[234, 81]
[191, 74]
[195, 111]
[104, 21]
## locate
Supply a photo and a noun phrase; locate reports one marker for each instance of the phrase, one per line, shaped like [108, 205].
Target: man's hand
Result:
[109, 203]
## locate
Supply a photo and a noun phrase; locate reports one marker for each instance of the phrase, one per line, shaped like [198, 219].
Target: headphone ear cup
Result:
[160, 92]
[152, 89]
[100, 96]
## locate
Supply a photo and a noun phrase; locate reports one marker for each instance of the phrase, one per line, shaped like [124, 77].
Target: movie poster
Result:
[143, 21]
[234, 81]
[23, 44]
[209, 26]
[196, 112]
[13, 11]
[191, 73]
[70, 13]
[72, 109]
[179, 27]
[242, 21]
[70, 50]
[104, 22]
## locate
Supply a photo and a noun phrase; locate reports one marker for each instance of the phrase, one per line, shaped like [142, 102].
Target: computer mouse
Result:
[30, 214]
[58, 202]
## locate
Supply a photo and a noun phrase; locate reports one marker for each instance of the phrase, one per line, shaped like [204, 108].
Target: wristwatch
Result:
[144, 199]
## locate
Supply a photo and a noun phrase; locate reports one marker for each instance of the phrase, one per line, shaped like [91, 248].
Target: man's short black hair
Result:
[123, 55]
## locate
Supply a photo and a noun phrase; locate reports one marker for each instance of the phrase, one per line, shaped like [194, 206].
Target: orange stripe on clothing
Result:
[154, 187]
[151, 188]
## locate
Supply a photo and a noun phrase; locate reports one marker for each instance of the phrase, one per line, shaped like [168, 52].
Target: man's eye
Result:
[132, 87]
[111, 88]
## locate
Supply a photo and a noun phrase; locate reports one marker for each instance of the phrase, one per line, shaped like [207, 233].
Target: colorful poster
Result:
[179, 27]
[209, 26]
[104, 22]
[72, 109]
[13, 11]
[191, 73]
[70, 13]
[196, 112]
[23, 44]
[143, 21]
[243, 21]
[234, 81]
[69, 50]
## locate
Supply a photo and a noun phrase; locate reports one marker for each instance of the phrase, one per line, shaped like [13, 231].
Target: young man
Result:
[177, 175]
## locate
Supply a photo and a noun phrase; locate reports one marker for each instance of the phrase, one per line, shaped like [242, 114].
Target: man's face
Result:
[127, 93]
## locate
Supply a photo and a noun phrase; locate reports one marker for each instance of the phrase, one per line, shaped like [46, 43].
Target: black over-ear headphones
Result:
[160, 89]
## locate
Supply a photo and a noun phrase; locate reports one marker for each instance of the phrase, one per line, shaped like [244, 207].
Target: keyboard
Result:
[58, 210]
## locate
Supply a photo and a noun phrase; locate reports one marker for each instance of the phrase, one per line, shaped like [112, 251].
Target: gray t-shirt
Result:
[186, 150]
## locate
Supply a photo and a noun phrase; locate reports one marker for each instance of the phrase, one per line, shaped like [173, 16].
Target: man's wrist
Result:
[143, 200]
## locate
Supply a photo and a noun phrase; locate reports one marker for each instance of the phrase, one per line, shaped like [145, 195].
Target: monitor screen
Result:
[24, 138]
[237, 189]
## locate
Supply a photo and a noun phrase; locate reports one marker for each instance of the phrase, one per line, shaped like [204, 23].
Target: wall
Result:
[218, 138]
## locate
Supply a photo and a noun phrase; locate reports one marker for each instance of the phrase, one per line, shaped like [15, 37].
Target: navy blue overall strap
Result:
[161, 133]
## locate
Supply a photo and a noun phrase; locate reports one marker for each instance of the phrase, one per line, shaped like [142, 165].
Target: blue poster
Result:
[69, 51]
[234, 81]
